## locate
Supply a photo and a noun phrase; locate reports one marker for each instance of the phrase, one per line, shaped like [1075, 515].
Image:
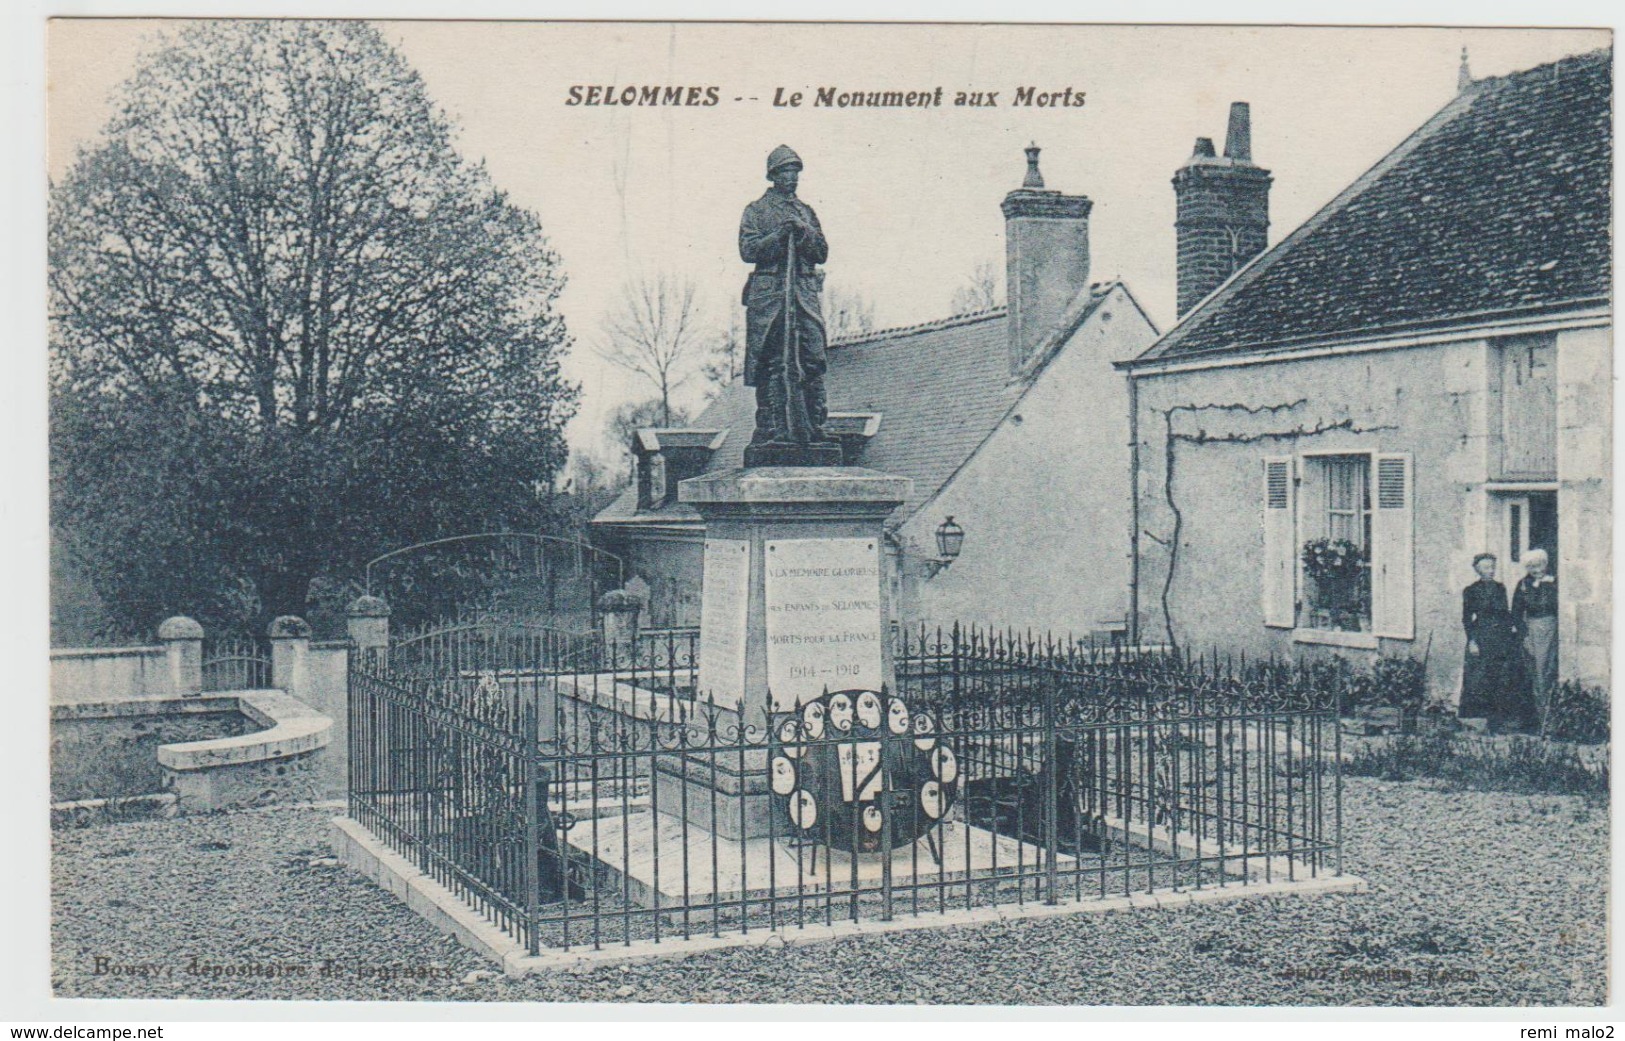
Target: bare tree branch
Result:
[980, 292]
[848, 313]
[654, 331]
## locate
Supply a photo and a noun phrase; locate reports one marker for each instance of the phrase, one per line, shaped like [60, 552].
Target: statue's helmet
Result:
[781, 156]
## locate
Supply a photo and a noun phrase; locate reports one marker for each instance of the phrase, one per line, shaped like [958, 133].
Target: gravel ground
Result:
[1476, 899]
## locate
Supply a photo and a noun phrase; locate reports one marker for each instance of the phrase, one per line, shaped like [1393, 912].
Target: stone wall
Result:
[108, 751]
[281, 760]
[1434, 401]
[1044, 502]
[92, 674]
[114, 707]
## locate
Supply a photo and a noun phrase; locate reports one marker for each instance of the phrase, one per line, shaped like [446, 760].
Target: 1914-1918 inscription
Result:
[823, 617]
[722, 620]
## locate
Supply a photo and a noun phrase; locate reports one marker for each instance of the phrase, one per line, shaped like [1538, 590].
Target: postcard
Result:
[825, 514]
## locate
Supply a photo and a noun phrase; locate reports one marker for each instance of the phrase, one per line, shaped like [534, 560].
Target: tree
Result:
[847, 313]
[655, 330]
[588, 485]
[980, 292]
[727, 357]
[291, 328]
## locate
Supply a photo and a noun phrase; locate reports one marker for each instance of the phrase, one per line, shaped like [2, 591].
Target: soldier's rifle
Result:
[796, 421]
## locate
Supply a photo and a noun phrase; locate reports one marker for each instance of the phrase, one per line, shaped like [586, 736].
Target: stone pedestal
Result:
[822, 455]
[719, 797]
[820, 519]
[794, 602]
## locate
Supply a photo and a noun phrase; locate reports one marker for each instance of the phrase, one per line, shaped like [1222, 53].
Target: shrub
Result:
[617, 600]
[1399, 681]
[1578, 713]
[1392, 681]
[1333, 674]
[1520, 764]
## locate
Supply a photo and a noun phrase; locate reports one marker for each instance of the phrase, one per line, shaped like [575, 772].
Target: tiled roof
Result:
[917, 327]
[940, 387]
[1499, 204]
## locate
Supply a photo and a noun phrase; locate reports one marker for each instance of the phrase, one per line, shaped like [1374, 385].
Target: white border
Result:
[24, 957]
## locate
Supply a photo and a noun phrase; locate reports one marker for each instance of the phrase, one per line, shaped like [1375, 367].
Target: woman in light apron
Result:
[1534, 611]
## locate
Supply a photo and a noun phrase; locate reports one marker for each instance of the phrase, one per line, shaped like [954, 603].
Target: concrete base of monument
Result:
[699, 865]
[364, 852]
[749, 490]
[717, 793]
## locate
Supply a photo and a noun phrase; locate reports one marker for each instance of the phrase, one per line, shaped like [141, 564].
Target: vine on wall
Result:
[1202, 436]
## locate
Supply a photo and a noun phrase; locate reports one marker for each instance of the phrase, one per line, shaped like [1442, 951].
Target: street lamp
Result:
[950, 539]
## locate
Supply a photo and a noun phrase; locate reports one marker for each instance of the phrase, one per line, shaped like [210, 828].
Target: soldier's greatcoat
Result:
[763, 235]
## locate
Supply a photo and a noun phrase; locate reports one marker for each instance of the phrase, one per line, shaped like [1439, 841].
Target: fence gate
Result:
[236, 663]
[547, 578]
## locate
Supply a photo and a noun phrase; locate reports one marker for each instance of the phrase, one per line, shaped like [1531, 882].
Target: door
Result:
[1530, 522]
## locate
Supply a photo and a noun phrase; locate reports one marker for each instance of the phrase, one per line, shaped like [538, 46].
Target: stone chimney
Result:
[1046, 248]
[1223, 210]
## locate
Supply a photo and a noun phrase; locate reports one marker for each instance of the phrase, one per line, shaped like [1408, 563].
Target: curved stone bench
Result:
[276, 764]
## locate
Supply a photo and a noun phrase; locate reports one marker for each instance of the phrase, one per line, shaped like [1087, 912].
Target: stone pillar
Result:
[821, 531]
[290, 655]
[183, 649]
[619, 610]
[1585, 510]
[368, 623]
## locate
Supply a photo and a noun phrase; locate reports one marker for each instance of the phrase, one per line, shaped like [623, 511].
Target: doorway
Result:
[1529, 521]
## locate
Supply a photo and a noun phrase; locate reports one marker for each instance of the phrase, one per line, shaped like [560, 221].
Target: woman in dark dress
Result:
[1491, 680]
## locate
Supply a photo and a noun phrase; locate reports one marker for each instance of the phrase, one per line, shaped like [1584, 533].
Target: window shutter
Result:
[1280, 556]
[1393, 593]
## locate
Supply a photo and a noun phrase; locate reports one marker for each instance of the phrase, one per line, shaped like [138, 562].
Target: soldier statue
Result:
[784, 325]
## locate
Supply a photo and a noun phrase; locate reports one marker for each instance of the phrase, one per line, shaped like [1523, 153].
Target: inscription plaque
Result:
[724, 596]
[823, 618]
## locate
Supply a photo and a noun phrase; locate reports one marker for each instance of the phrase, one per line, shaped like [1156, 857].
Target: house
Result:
[1419, 373]
[1012, 424]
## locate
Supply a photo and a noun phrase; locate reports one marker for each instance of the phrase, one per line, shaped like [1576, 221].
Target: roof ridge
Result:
[1546, 68]
[963, 318]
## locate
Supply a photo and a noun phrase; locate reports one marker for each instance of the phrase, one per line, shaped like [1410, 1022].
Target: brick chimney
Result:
[1223, 210]
[1046, 249]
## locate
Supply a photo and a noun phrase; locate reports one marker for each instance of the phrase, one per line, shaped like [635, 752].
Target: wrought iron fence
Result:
[236, 663]
[612, 805]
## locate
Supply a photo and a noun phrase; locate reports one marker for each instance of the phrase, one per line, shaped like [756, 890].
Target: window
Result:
[1348, 499]
[1338, 546]
[1335, 558]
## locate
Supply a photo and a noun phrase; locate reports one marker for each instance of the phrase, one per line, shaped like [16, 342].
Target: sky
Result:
[908, 198]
